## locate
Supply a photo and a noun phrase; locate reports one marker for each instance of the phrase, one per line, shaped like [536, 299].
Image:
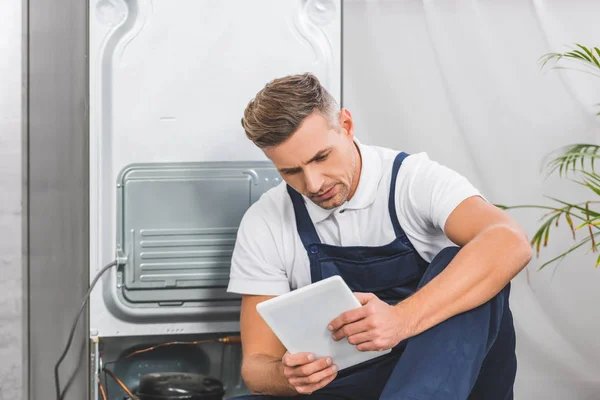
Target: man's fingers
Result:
[353, 315]
[311, 368]
[293, 360]
[363, 297]
[314, 378]
[347, 318]
[360, 338]
[351, 329]
[372, 345]
[308, 389]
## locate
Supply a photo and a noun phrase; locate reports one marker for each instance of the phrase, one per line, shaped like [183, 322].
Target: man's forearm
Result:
[476, 274]
[264, 375]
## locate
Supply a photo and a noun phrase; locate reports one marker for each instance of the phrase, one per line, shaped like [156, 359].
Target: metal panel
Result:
[176, 227]
[58, 197]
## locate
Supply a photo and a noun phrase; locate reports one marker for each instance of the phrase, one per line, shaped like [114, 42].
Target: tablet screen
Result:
[300, 319]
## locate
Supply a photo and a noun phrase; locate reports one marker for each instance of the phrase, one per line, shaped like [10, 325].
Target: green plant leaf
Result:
[539, 207]
[578, 207]
[592, 222]
[566, 158]
[570, 222]
[547, 233]
[541, 236]
[579, 55]
[563, 255]
[546, 58]
[589, 185]
[590, 54]
[593, 177]
[571, 162]
[595, 189]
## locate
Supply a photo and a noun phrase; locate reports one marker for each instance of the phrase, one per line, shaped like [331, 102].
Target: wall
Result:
[460, 80]
[10, 201]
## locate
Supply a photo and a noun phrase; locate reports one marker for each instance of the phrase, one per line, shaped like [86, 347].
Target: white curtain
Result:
[461, 81]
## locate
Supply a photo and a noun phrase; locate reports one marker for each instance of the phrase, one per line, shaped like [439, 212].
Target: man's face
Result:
[320, 161]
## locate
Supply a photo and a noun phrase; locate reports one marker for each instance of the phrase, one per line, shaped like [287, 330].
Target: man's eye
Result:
[322, 158]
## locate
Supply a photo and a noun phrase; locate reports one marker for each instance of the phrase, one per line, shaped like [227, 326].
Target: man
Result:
[429, 259]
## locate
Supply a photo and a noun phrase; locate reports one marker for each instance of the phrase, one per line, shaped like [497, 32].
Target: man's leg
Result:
[498, 372]
[444, 362]
[364, 381]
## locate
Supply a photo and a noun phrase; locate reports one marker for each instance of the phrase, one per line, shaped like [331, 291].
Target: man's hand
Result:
[375, 326]
[305, 374]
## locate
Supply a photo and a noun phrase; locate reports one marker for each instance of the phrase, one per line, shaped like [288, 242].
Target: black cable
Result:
[59, 395]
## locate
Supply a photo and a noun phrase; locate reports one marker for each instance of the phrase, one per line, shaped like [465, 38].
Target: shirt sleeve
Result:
[428, 192]
[256, 265]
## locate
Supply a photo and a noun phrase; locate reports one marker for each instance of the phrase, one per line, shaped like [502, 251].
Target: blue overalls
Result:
[469, 356]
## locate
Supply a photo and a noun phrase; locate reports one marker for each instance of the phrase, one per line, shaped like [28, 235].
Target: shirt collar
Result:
[364, 196]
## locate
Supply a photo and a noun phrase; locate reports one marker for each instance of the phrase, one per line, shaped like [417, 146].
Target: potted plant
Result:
[574, 162]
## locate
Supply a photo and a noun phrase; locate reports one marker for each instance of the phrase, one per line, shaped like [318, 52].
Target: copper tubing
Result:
[102, 391]
[112, 375]
[231, 340]
[225, 340]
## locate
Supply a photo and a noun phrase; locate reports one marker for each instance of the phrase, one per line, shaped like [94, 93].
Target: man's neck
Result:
[357, 171]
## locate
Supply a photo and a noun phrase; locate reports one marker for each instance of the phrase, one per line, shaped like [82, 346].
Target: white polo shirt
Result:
[270, 259]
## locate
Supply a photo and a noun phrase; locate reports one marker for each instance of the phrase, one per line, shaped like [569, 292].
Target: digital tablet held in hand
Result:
[300, 319]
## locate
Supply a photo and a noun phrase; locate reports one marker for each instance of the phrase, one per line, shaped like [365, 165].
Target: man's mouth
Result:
[326, 195]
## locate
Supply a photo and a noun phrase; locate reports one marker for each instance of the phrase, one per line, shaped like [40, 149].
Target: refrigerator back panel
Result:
[169, 81]
[176, 230]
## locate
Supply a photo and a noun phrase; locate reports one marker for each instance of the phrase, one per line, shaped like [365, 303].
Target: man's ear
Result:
[346, 123]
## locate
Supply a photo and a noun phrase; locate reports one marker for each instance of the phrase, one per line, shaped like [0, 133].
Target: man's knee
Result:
[486, 318]
[439, 263]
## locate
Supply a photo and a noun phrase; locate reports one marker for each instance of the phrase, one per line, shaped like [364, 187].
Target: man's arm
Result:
[267, 368]
[262, 369]
[494, 250]
[258, 273]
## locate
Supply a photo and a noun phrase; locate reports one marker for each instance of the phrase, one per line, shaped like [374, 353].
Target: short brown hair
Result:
[281, 106]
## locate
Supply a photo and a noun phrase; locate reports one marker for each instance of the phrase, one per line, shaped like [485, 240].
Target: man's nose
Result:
[314, 181]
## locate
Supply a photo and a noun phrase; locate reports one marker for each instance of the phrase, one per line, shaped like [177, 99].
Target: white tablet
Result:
[300, 319]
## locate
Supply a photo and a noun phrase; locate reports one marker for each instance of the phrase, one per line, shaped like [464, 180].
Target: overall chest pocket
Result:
[374, 273]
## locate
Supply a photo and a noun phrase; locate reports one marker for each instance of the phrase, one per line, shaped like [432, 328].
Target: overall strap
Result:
[304, 224]
[392, 200]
